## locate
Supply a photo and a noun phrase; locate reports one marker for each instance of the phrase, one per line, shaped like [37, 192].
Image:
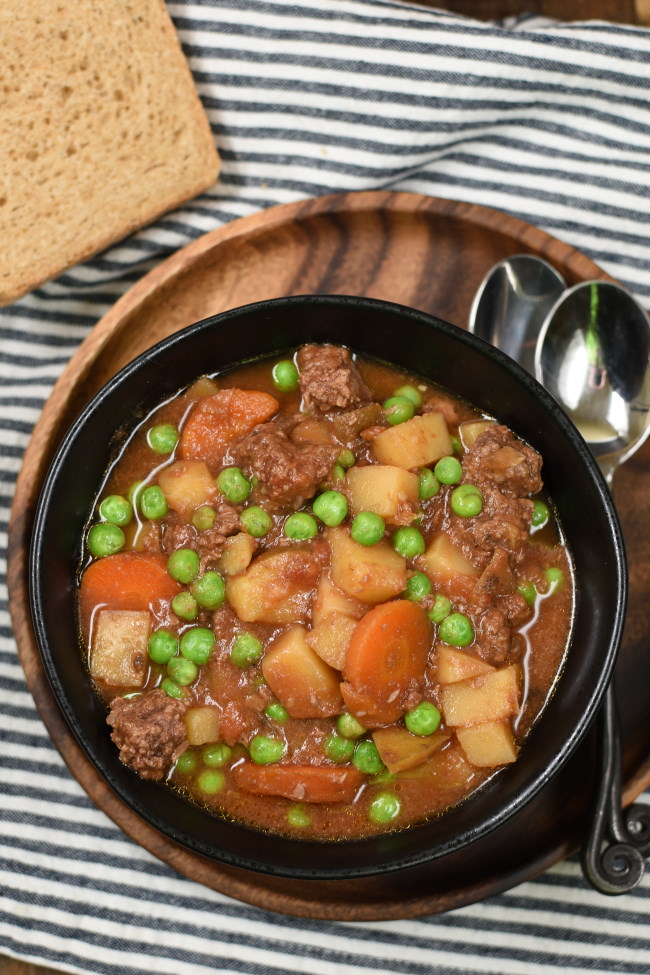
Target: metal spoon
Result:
[522, 307]
[593, 355]
[512, 303]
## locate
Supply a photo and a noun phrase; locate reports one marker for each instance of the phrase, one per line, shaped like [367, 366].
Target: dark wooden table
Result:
[618, 11]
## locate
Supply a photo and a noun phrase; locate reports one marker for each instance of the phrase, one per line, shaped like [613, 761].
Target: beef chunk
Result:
[494, 634]
[497, 459]
[177, 533]
[287, 472]
[149, 731]
[329, 379]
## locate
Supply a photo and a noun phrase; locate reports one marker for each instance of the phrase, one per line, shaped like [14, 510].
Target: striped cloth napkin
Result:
[545, 121]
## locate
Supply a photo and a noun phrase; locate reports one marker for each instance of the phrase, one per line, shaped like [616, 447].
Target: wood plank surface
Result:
[618, 11]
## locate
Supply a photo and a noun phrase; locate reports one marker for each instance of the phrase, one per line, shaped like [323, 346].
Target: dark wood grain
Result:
[617, 11]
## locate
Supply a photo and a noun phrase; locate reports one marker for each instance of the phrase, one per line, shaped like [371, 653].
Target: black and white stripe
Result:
[548, 122]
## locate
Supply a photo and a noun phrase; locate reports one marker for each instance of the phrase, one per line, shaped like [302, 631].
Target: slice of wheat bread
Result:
[101, 131]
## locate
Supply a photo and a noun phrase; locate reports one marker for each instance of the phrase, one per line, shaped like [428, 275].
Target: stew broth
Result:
[297, 673]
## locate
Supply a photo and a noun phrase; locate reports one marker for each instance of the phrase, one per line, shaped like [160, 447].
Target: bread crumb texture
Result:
[101, 131]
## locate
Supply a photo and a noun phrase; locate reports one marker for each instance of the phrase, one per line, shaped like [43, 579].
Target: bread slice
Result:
[101, 131]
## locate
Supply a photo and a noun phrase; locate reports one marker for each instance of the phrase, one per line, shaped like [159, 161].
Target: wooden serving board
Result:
[430, 254]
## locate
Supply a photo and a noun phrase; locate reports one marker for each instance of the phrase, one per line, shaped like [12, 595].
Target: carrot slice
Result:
[385, 661]
[127, 580]
[217, 420]
[304, 783]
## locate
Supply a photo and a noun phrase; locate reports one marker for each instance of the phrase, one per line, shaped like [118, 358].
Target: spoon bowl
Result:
[592, 355]
[512, 303]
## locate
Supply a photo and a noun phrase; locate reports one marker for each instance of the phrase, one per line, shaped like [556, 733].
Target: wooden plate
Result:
[427, 253]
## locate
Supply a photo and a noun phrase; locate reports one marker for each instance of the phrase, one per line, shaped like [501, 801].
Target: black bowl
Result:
[440, 352]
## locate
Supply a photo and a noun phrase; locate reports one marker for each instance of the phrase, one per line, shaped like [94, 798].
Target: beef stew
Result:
[323, 597]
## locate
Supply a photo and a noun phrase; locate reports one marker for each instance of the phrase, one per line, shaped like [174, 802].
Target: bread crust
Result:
[102, 131]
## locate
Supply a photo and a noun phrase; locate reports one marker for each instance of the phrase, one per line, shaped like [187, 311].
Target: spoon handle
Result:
[613, 856]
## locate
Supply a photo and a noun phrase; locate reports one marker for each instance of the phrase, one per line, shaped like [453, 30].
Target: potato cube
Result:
[276, 587]
[472, 430]
[118, 649]
[388, 491]
[455, 665]
[237, 553]
[305, 684]
[330, 599]
[400, 750]
[489, 697]
[444, 561]
[488, 744]
[418, 442]
[187, 484]
[330, 638]
[370, 573]
[202, 725]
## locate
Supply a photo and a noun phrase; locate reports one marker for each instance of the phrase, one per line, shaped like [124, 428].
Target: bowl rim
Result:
[458, 334]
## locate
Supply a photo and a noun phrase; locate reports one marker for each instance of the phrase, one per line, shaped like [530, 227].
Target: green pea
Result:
[466, 500]
[347, 458]
[448, 470]
[171, 688]
[417, 586]
[153, 503]
[429, 484]
[528, 591]
[216, 756]
[246, 650]
[554, 577]
[183, 565]
[540, 514]
[457, 630]
[285, 376]
[338, 472]
[105, 539]
[197, 644]
[367, 528]
[233, 485]
[163, 645]
[203, 518]
[441, 608]
[348, 726]
[211, 781]
[187, 763]
[298, 817]
[163, 438]
[300, 526]
[410, 393]
[256, 521]
[182, 671]
[185, 605]
[209, 590]
[408, 542]
[456, 445]
[331, 507]
[398, 409]
[116, 509]
[276, 712]
[338, 749]
[423, 719]
[367, 758]
[264, 750]
[384, 808]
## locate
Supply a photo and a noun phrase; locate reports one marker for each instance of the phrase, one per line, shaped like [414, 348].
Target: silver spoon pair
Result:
[590, 347]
